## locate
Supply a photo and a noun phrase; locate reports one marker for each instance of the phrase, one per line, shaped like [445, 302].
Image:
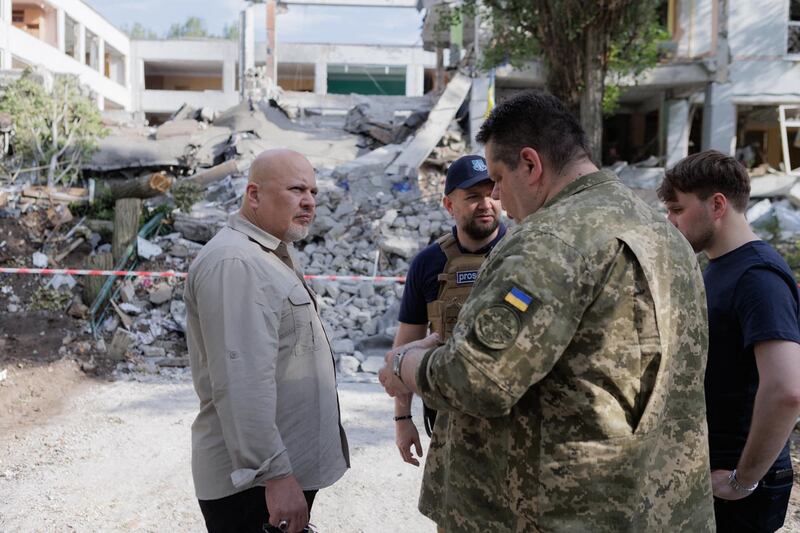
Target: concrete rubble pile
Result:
[373, 215]
[774, 197]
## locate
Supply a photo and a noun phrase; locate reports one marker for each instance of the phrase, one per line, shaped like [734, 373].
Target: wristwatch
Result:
[738, 487]
[397, 364]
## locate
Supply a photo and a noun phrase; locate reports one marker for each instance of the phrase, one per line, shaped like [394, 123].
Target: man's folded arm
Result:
[240, 331]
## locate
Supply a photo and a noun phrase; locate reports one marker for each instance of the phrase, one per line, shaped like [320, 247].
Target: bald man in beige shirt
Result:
[268, 434]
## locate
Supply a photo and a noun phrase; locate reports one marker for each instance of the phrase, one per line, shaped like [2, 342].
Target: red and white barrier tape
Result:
[173, 274]
[80, 272]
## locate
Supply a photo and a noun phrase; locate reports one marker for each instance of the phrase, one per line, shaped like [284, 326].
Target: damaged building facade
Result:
[725, 73]
[156, 77]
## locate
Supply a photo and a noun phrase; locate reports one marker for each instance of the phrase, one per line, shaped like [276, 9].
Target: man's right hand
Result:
[406, 434]
[285, 501]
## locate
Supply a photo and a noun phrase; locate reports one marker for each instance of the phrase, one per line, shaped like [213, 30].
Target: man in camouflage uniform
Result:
[574, 377]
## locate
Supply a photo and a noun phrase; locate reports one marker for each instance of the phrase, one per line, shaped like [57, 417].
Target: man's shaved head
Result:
[271, 164]
[280, 194]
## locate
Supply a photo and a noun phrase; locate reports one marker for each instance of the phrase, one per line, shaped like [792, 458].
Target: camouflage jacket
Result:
[574, 378]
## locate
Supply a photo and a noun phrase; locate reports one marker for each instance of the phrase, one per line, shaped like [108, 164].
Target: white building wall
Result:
[5, 37]
[33, 51]
[761, 71]
[697, 22]
[15, 42]
[164, 101]
[415, 59]
[757, 28]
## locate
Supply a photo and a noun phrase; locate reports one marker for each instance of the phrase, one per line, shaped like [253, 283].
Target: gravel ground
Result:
[89, 455]
[116, 458]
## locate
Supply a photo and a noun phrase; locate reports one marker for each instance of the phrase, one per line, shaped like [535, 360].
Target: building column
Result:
[80, 45]
[719, 119]
[478, 103]
[415, 80]
[101, 102]
[137, 84]
[5, 20]
[677, 115]
[101, 56]
[249, 33]
[229, 73]
[126, 72]
[321, 77]
[61, 29]
[272, 41]
[5, 11]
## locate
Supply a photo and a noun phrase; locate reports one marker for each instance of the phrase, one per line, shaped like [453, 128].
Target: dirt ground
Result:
[89, 454]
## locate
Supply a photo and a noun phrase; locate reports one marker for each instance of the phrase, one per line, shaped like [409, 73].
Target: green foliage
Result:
[186, 194]
[631, 55]
[626, 35]
[231, 31]
[55, 132]
[102, 208]
[48, 299]
[138, 31]
[194, 27]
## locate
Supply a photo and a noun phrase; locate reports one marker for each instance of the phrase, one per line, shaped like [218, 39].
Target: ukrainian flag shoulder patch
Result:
[518, 299]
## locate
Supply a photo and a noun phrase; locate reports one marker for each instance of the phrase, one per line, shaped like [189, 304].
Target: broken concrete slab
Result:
[178, 128]
[39, 260]
[120, 343]
[429, 135]
[405, 247]
[160, 293]
[348, 365]
[758, 210]
[146, 249]
[771, 185]
[373, 364]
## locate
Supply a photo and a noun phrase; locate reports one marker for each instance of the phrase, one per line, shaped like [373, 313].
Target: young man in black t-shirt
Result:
[752, 382]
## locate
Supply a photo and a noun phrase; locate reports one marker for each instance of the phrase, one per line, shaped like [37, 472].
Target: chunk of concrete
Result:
[372, 364]
[348, 365]
[120, 343]
[405, 247]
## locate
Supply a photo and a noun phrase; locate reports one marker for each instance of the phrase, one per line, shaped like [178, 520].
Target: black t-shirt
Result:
[422, 283]
[752, 297]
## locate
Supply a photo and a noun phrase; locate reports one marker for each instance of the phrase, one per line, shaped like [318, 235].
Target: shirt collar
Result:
[584, 182]
[237, 222]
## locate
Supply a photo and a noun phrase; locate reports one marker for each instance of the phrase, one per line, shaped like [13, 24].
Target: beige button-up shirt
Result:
[262, 368]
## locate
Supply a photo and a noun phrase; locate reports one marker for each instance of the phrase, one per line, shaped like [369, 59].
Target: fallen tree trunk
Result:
[126, 225]
[210, 175]
[145, 186]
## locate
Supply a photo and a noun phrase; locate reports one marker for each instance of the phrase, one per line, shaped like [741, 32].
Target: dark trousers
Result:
[761, 512]
[243, 512]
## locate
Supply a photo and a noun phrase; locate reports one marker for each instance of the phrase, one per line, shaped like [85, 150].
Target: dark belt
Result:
[778, 477]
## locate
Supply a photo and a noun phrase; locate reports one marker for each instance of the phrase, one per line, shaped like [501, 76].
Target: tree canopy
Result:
[587, 47]
[55, 132]
[191, 28]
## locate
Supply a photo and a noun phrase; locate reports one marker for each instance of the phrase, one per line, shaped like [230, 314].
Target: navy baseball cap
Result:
[465, 172]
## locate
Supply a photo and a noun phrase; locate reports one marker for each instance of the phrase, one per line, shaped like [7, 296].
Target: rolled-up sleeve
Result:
[239, 326]
[498, 351]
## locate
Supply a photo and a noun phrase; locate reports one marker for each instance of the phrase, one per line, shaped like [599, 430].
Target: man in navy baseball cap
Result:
[457, 255]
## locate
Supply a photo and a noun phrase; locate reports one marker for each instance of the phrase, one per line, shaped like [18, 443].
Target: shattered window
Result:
[793, 45]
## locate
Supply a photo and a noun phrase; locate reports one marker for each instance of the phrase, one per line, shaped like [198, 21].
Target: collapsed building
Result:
[380, 161]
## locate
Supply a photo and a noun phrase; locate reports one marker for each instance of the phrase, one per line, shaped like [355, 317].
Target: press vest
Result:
[455, 283]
